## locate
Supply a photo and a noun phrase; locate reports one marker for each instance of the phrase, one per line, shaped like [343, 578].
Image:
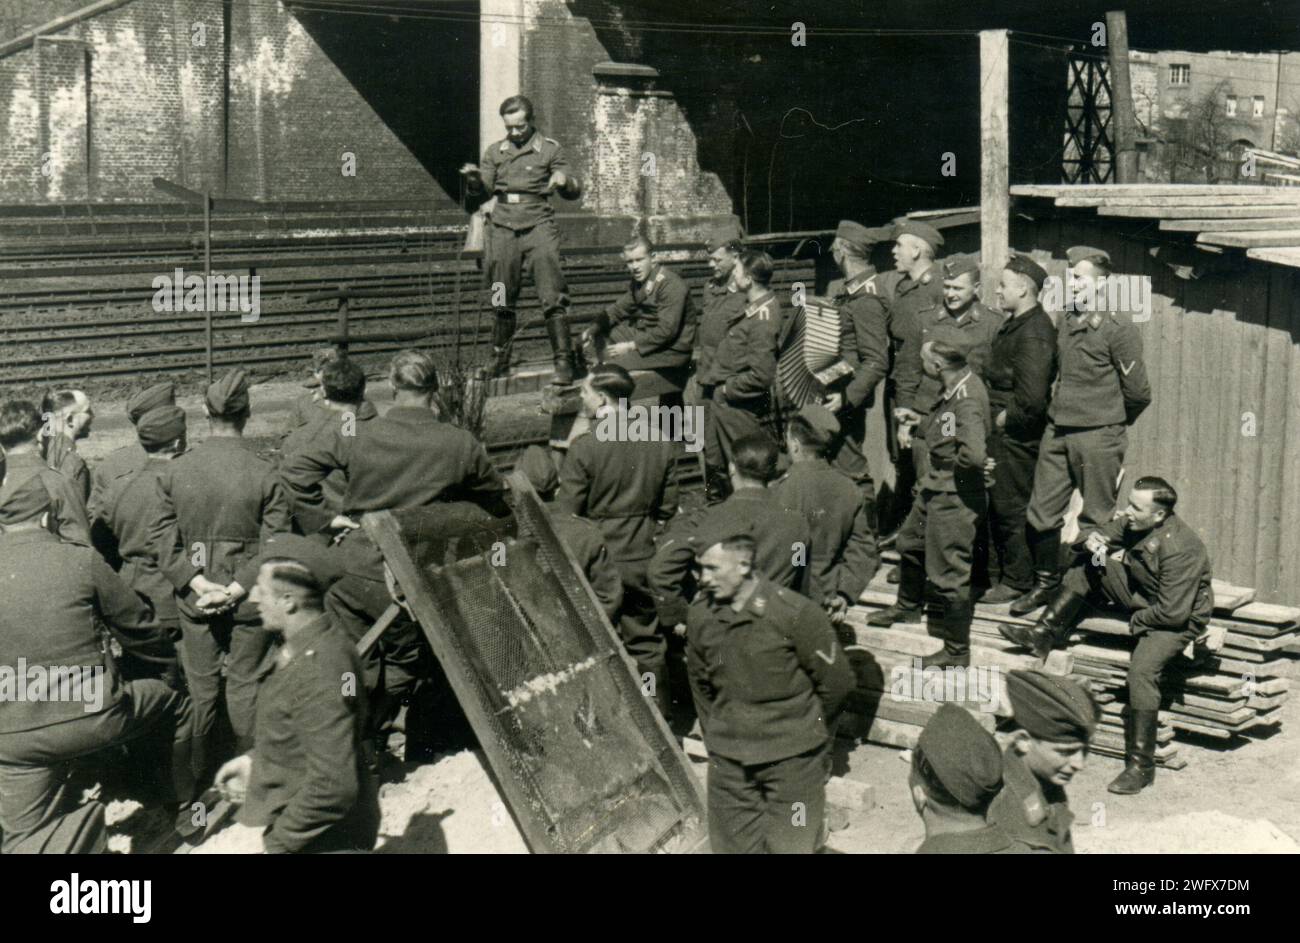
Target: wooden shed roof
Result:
[1265, 221]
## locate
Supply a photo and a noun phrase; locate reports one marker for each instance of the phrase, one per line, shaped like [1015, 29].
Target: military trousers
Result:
[848, 452]
[1013, 482]
[726, 423]
[939, 536]
[768, 808]
[249, 655]
[513, 252]
[38, 814]
[1069, 458]
[638, 629]
[1110, 585]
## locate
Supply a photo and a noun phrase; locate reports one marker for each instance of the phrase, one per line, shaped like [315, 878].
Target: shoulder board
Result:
[551, 141]
[1153, 544]
[1035, 814]
[925, 279]
[758, 603]
[762, 312]
[659, 275]
[503, 145]
[1095, 321]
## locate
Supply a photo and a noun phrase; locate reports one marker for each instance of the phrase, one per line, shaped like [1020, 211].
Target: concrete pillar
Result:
[500, 63]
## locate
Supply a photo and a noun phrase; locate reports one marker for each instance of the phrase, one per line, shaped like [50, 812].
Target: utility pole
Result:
[1121, 97]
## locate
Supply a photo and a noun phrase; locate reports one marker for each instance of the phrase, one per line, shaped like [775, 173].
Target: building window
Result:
[1232, 106]
[1257, 106]
[1180, 74]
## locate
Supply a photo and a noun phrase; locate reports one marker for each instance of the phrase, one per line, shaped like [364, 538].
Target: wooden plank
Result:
[1284, 317]
[1259, 210]
[1229, 225]
[1054, 190]
[995, 198]
[1281, 256]
[1281, 199]
[1268, 612]
[1263, 236]
[379, 628]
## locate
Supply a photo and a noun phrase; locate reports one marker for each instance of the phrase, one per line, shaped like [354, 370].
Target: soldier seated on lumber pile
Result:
[1055, 718]
[956, 773]
[581, 536]
[769, 680]
[307, 778]
[1154, 567]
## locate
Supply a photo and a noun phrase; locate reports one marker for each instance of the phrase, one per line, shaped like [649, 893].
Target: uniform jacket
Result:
[955, 432]
[128, 512]
[972, 333]
[54, 592]
[67, 509]
[119, 463]
[769, 680]
[1170, 568]
[625, 487]
[659, 316]
[1022, 367]
[311, 518]
[587, 544]
[1035, 814]
[1102, 380]
[843, 556]
[307, 409]
[722, 303]
[781, 537]
[915, 302]
[745, 362]
[214, 507]
[61, 455]
[990, 840]
[517, 177]
[310, 784]
[864, 336]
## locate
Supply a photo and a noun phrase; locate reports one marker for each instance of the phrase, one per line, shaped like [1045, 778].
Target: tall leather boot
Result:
[955, 653]
[1053, 627]
[1139, 753]
[911, 594]
[1045, 546]
[557, 331]
[503, 332]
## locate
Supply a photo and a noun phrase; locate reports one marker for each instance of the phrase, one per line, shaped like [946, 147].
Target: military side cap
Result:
[161, 425]
[715, 527]
[821, 419]
[724, 235]
[160, 394]
[1051, 708]
[963, 755]
[957, 265]
[914, 227]
[536, 465]
[856, 235]
[229, 395]
[30, 499]
[1024, 265]
[1077, 254]
[320, 559]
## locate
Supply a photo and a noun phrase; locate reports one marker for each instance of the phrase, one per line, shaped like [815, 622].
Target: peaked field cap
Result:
[1077, 254]
[914, 227]
[1024, 265]
[1050, 707]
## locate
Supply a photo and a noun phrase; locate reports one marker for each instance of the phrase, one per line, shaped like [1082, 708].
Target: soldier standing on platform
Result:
[521, 172]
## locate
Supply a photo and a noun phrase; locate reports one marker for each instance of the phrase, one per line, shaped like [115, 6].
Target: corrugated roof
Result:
[1265, 221]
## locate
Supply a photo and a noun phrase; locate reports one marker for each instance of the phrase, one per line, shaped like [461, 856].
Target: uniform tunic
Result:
[587, 544]
[971, 332]
[67, 510]
[119, 463]
[916, 301]
[1035, 814]
[738, 380]
[843, 556]
[990, 840]
[659, 317]
[311, 518]
[865, 346]
[722, 303]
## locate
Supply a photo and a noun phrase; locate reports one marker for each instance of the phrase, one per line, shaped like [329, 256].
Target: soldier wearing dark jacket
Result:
[781, 537]
[1163, 582]
[1101, 390]
[129, 458]
[54, 593]
[214, 508]
[20, 427]
[842, 557]
[308, 781]
[1055, 718]
[918, 298]
[769, 680]
[627, 488]
[67, 416]
[1022, 366]
[937, 539]
[738, 379]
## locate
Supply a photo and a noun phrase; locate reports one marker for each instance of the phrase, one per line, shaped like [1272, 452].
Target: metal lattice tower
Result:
[1089, 154]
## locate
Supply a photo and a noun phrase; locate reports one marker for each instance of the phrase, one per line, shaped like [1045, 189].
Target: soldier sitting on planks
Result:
[956, 773]
[769, 680]
[582, 537]
[307, 779]
[67, 416]
[1055, 718]
[129, 458]
[1152, 565]
[20, 429]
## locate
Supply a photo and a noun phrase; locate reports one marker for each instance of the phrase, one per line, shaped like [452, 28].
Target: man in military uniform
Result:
[308, 780]
[652, 325]
[738, 379]
[936, 540]
[1101, 391]
[310, 407]
[127, 514]
[214, 507]
[521, 172]
[1022, 366]
[581, 536]
[67, 416]
[20, 429]
[627, 488]
[54, 593]
[962, 322]
[769, 680]
[1054, 719]
[842, 557]
[1153, 566]
[918, 298]
[129, 458]
[864, 345]
[956, 773]
[782, 538]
